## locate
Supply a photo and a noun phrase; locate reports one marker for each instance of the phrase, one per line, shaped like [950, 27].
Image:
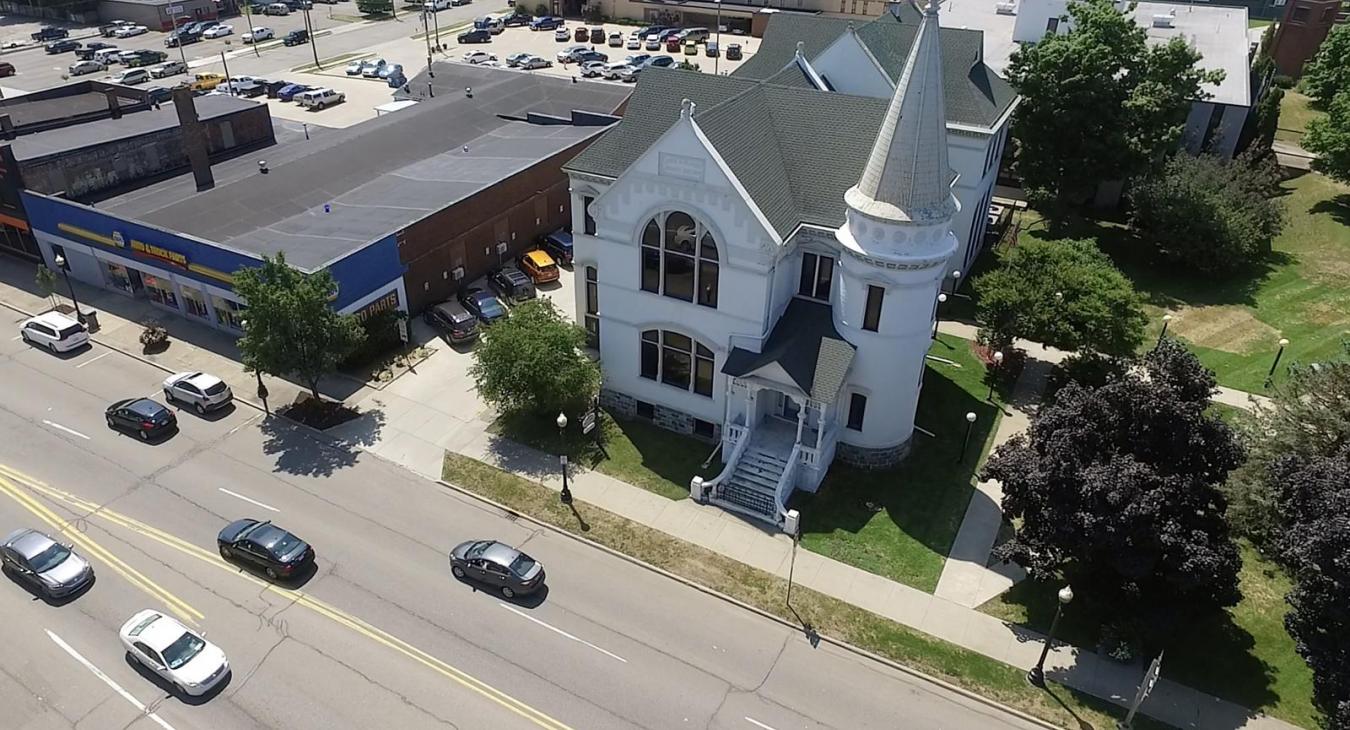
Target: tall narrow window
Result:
[857, 408]
[586, 201]
[651, 257]
[1052, 25]
[651, 354]
[817, 273]
[592, 308]
[679, 259]
[678, 360]
[872, 316]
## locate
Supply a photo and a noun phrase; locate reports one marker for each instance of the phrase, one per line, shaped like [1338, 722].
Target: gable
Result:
[850, 68]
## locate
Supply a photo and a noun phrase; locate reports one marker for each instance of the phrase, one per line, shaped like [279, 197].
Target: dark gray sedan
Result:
[44, 563]
[498, 565]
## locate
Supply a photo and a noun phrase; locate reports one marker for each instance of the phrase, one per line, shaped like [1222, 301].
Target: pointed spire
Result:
[907, 177]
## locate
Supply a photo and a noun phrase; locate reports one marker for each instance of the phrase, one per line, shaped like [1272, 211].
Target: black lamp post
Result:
[60, 262]
[1270, 376]
[993, 377]
[262, 389]
[956, 281]
[965, 444]
[937, 313]
[566, 495]
[1036, 675]
[1167, 319]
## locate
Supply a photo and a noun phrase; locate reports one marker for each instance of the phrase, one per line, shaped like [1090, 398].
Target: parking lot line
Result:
[559, 631]
[108, 681]
[70, 431]
[246, 499]
[93, 360]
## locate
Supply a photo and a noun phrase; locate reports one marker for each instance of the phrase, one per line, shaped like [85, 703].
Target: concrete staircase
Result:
[752, 488]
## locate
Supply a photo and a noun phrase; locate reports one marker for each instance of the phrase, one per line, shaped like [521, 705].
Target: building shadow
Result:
[298, 452]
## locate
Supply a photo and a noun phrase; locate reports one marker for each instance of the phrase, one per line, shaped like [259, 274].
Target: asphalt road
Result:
[380, 636]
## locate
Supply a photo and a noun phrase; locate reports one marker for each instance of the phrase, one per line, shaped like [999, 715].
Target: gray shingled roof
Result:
[806, 345]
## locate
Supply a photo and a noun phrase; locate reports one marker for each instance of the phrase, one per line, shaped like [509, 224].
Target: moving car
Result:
[7, 69]
[511, 284]
[108, 56]
[474, 36]
[296, 37]
[453, 319]
[566, 54]
[168, 68]
[158, 94]
[264, 546]
[148, 418]
[534, 62]
[497, 564]
[477, 57]
[45, 563]
[593, 69]
[320, 98]
[218, 31]
[201, 391]
[587, 56]
[490, 24]
[436, 6]
[289, 91]
[128, 31]
[65, 46]
[169, 649]
[559, 246]
[484, 305]
[734, 52]
[258, 35]
[515, 59]
[53, 330]
[131, 77]
[539, 266]
[87, 51]
[80, 68]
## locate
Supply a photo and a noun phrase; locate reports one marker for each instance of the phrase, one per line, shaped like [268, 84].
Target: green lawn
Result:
[900, 523]
[1302, 291]
[830, 617]
[1295, 112]
[640, 453]
[1246, 656]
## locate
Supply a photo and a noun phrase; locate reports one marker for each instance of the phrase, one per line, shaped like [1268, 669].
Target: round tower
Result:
[896, 240]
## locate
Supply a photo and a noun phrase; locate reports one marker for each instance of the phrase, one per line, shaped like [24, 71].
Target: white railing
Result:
[710, 486]
[736, 433]
[788, 481]
[817, 459]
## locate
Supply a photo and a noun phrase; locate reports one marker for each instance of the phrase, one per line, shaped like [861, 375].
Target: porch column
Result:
[749, 402]
[820, 425]
[801, 418]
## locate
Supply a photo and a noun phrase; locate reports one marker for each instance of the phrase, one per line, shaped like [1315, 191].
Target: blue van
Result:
[558, 244]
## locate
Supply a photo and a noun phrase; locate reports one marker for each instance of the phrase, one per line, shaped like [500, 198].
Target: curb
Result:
[968, 694]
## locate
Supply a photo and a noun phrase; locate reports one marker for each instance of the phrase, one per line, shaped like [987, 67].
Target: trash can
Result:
[90, 317]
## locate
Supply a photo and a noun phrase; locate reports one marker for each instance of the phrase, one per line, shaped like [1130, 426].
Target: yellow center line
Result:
[137, 579]
[299, 597]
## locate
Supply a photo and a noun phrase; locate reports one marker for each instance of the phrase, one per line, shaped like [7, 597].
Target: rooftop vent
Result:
[1005, 8]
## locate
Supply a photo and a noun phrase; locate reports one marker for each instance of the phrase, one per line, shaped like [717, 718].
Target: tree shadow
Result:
[300, 453]
[1338, 208]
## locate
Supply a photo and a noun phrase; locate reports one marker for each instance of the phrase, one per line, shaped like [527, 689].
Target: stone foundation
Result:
[626, 406]
[868, 458]
[621, 404]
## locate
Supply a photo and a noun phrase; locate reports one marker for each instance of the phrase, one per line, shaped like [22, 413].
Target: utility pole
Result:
[248, 18]
[426, 35]
[179, 39]
[309, 28]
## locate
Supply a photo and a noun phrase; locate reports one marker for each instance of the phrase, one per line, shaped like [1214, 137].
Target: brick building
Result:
[1301, 31]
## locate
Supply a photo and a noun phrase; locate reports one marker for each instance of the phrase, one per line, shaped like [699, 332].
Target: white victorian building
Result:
[760, 262]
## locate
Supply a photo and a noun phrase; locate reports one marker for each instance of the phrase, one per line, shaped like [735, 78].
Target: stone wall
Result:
[865, 458]
[626, 406]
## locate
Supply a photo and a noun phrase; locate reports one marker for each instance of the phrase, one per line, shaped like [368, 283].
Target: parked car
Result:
[7, 69]
[371, 69]
[262, 545]
[511, 284]
[546, 22]
[659, 62]
[490, 24]
[504, 568]
[596, 34]
[320, 98]
[296, 37]
[474, 36]
[534, 62]
[653, 42]
[277, 9]
[107, 31]
[457, 3]
[559, 246]
[196, 27]
[80, 68]
[673, 44]
[637, 59]
[289, 91]
[517, 19]
[733, 51]
[694, 35]
[690, 48]
[436, 6]
[396, 79]
[614, 70]
[354, 68]
[258, 34]
[235, 82]
[274, 87]
[391, 70]
[54, 331]
[565, 55]
[589, 56]
[616, 40]
[206, 81]
[181, 38]
[218, 31]
[148, 418]
[484, 305]
[453, 319]
[47, 565]
[581, 34]
[477, 57]
[561, 35]
[87, 50]
[64, 46]
[128, 31]
[593, 69]
[634, 44]
[50, 33]
[158, 94]
[172, 651]
[629, 73]
[130, 77]
[515, 59]
[168, 68]
[711, 49]
[136, 59]
[539, 266]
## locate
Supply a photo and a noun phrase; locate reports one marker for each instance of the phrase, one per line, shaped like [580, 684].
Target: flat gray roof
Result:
[88, 134]
[381, 175]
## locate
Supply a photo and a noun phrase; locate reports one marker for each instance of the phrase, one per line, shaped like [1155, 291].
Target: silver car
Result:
[44, 563]
[201, 391]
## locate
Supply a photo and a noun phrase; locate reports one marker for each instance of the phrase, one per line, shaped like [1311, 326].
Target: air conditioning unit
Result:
[501, 247]
[1005, 8]
[1163, 20]
[458, 272]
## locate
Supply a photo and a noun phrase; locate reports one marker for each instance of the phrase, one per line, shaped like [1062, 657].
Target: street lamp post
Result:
[965, 444]
[60, 262]
[993, 377]
[248, 18]
[937, 313]
[1167, 320]
[309, 28]
[426, 35]
[436, 23]
[566, 495]
[1036, 675]
[228, 85]
[956, 281]
[179, 39]
[1270, 376]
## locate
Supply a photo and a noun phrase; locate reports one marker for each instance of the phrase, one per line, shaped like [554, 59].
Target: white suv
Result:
[320, 98]
[54, 331]
[201, 391]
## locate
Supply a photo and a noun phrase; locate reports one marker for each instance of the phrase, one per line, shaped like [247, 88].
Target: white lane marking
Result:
[70, 431]
[246, 499]
[557, 630]
[757, 723]
[108, 681]
[16, 338]
[96, 359]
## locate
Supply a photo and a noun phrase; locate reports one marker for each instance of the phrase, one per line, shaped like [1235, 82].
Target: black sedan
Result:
[474, 36]
[484, 305]
[148, 418]
[62, 46]
[497, 564]
[266, 547]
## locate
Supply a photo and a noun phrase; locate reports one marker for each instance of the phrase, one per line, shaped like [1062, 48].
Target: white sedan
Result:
[201, 391]
[128, 31]
[634, 44]
[218, 31]
[258, 35]
[479, 57]
[534, 62]
[169, 649]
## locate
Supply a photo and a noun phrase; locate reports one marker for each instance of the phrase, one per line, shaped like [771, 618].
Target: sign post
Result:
[1150, 679]
[589, 423]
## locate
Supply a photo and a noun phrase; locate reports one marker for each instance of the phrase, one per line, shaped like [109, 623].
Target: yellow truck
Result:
[206, 81]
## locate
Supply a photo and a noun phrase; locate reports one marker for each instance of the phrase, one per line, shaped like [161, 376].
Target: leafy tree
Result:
[1115, 491]
[1328, 137]
[1210, 215]
[535, 361]
[292, 327]
[46, 282]
[1099, 102]
[1066, 294]
[540, 10]
[1315, 507]
[1328, 73]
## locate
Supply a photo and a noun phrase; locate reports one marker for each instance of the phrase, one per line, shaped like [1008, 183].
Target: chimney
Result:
[6, 127]
[194, 138]
[114, 104]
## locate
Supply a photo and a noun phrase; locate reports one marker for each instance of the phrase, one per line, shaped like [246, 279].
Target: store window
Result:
[117, 277]
[678, 360]
[679, 259]
[195, 303]
[230, 313]
[160, 291]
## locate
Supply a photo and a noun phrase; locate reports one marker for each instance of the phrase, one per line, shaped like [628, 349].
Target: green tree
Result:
[1328, 73]
[1328, 138]
[46, 282]
[1099, 102]
[534, 361]
[1210, 215]
[292, 326]
[1066, 294]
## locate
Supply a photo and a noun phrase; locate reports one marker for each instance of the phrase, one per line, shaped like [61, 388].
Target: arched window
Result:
[679, 259]
[678, 360]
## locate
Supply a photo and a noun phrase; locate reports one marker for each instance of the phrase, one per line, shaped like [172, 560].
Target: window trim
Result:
[862, 411]
[699, 356]
[872, 319]
[815, 283]
[700, 261]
